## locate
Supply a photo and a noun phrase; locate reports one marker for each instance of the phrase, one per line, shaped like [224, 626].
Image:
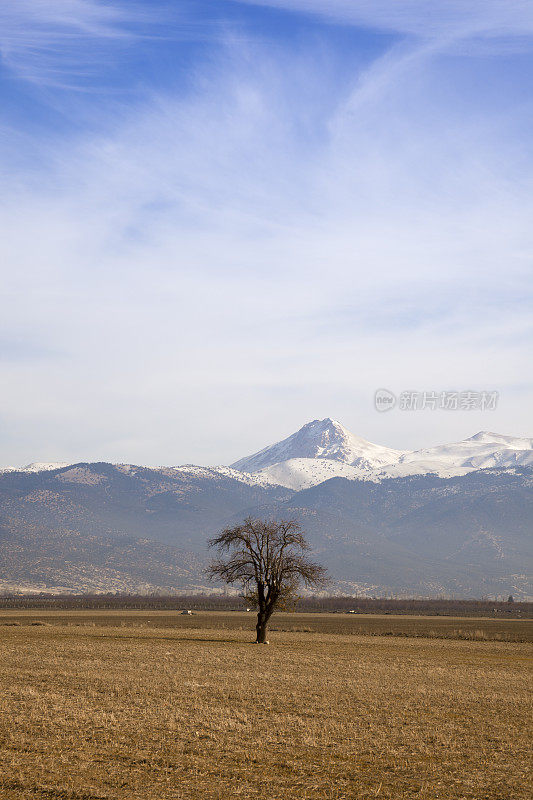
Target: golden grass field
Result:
[154, 705]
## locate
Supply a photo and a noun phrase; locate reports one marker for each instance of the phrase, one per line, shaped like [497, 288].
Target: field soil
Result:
[159, 706]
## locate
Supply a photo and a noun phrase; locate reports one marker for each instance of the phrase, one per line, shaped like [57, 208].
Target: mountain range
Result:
[324, 449]
[454, 519]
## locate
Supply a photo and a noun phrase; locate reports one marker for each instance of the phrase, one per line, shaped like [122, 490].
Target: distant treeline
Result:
[333, 604]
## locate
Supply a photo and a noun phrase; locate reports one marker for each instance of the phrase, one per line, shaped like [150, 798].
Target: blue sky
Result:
[220, 220]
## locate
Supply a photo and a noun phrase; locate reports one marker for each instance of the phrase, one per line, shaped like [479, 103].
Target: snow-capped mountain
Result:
[482, 451]
[324, 449]
[324, 439]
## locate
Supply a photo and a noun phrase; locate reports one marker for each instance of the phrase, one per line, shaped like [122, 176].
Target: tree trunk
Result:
[261, 628]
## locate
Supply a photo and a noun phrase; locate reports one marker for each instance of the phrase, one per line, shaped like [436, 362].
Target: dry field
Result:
[153, 706]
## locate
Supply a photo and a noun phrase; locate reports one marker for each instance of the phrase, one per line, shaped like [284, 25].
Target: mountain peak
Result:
[485, 436]
[322, 424]
[489, 437]
[320, 438]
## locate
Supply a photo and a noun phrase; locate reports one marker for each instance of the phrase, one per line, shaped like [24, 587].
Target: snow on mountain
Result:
[321, 439]
[302, 473]
[38, 466]
[211, 473]
[324, 449]
[482, 451]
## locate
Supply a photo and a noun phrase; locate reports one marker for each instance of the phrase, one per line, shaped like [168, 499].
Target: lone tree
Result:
[268, 559]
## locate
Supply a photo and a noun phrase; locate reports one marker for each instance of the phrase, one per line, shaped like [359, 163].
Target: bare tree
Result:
[268, 560]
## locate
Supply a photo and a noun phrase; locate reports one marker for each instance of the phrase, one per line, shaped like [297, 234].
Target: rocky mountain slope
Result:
[470, 535]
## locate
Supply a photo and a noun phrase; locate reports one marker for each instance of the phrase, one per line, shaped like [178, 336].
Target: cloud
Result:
[58, 43]
[426, 19]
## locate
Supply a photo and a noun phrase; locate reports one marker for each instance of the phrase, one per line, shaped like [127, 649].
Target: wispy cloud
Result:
[450, 19]
[57, 43]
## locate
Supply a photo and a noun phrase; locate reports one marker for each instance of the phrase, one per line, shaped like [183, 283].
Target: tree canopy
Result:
[268, 560]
